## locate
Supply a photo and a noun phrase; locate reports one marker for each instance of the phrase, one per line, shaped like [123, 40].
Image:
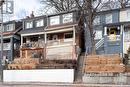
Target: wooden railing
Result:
[59, 42]
[39, 44]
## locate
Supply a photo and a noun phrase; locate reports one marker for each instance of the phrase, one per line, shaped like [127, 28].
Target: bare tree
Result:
[88, 9]
[60, 5]
[123, 3]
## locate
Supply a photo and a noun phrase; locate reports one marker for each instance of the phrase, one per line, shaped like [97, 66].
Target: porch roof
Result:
[7, 33]
[126, 24]
[30, 31]
[61, 26]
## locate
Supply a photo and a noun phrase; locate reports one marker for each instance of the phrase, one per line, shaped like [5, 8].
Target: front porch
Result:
[111, 41]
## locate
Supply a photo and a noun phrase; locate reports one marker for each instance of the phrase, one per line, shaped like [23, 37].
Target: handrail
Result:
[99, 43]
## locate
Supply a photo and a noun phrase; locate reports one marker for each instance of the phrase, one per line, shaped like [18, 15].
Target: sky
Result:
[23, 8]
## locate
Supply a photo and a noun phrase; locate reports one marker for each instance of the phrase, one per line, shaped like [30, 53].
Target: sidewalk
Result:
[58, 84]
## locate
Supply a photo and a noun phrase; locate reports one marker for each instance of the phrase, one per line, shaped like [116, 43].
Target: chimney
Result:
[32, 14]
[27, 17]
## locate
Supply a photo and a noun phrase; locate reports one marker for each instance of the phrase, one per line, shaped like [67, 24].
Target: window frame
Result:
[56, 20]
[97, 36]
[8, 27]
[39, 23]
[97, 20]
[67, 18]
[108, 18]
[26, 25]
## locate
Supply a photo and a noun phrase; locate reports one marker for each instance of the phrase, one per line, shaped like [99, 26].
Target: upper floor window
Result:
[55, 20]
[128, 14]
[28, 24]
[127, 35]
[96, 20]
[8, 27]
[40, 23]
[98, 34]
[108, 18]
[67, 18]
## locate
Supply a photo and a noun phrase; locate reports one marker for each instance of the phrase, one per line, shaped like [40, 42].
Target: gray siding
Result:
[102, 19]
[115, 17]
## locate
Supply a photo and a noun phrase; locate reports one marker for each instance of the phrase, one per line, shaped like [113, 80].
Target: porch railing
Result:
[99, 43]
[114, 37]
[39, 44]
[59, 42]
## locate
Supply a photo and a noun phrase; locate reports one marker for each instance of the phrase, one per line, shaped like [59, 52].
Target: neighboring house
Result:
[108, 33]
[112, 33]
[32, 36]
[125, 22]
[11, 39]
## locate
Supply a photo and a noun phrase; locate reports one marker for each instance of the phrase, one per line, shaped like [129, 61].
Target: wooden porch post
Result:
[21, 40]
[74, 45]
[45, 38]
[21, 46]
[105, 31]
[12, 48]
[122, 40]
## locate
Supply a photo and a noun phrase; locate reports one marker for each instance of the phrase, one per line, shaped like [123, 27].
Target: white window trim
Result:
[96, 20]
[97, 36]
[39, 23]
[30, 24]
[68, 39]
[55, 20]
[108, 16]
[67, 18]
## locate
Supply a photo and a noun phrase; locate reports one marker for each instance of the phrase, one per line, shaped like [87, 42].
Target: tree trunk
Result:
[93, 49]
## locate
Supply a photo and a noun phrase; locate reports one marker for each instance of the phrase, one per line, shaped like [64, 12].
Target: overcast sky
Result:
[23, 8]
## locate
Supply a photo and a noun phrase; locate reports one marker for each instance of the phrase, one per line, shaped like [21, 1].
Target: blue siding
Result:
[115, 16]
[102, 19]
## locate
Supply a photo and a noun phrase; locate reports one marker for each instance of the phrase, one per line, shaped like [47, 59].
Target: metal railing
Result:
[114, 37]
[99, 43]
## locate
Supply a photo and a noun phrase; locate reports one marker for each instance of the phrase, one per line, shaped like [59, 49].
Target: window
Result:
[127, 35]
[67, 18]
[34, 39]
[68, 37]
[108, 18]
[54, 20]
[28, 24]
[39, 23]
[8, 27]
[128, 15]
[96, 20]
[98, 34]
[55, 37]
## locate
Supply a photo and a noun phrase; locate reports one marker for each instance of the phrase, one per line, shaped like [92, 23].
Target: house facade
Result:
[108, 32]
[53, 40]
[11, 39]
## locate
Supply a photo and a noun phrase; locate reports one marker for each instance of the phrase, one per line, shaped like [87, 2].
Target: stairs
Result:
[99, 43]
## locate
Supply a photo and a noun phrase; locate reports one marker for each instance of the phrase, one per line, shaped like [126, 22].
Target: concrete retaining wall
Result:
[107, 78]
[46, 75]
